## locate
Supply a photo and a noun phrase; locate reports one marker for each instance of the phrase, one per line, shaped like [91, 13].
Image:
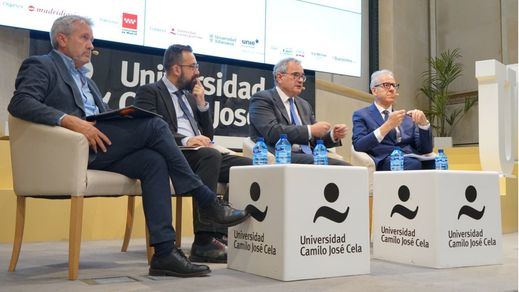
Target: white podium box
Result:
[437, 218]
[309, 221]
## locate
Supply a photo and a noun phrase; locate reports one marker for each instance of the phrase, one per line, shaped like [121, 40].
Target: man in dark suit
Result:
[179, 98]
[54, 90]
[379, 128]
[279, 111]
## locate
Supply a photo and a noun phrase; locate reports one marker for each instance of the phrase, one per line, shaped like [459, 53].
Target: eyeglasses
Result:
[192, 66]
[387, 85]
[297, 75]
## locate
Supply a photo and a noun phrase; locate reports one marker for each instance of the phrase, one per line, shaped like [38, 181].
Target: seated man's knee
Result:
[210, 155]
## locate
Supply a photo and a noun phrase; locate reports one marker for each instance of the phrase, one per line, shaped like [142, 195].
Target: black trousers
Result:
[212, 167]
[145, 149]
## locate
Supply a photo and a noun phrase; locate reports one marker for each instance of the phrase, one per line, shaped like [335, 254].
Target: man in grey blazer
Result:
[179, 91]
[280, 110]
[54, 90]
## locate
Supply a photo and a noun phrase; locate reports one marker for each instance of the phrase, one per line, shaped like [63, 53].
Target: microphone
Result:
[95, 52]
[303, 88]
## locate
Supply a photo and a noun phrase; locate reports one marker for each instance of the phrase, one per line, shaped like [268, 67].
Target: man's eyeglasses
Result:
[192, 66]
[297, 75]
[387, 85]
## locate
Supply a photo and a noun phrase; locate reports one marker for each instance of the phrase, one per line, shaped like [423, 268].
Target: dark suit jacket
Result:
[155, 97]
[368, 119]
[45, 91]
[269, 119]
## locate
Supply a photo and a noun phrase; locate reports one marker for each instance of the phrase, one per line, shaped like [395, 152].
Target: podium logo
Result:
[470, 195]
[403, 195]
[255, 193]
[331, 193]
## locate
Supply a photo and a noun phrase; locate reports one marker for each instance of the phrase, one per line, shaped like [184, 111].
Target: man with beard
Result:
[179, 98]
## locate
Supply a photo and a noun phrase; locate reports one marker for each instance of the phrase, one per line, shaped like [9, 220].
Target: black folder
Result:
[131, 112]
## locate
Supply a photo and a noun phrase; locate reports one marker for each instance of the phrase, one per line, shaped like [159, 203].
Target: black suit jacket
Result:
[45, 91]
[155, 97]
[269, 119]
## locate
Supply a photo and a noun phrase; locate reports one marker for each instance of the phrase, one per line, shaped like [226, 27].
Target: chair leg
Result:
[129, 223]
[178, 221]
[18, 232]
[149, 249]
[76, 221]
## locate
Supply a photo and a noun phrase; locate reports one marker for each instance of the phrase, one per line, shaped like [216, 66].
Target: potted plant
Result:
[443, 71]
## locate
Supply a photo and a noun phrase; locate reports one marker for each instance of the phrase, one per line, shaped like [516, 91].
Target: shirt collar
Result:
[283, 95]
[170, 86]
[70, 64]
[381, 109]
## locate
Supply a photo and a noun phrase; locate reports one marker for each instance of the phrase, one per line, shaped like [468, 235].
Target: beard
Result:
[186, 83]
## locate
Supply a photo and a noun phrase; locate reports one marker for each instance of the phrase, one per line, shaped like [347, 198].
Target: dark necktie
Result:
[186, 111]
[393, 133]
[386, 114]
[295, 121]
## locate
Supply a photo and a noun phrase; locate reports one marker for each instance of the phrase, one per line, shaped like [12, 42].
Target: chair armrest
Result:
[47, 160]
[332, 153]
[363, 159]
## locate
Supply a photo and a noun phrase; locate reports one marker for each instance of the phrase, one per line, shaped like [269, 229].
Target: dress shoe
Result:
[220, 214]
[176, 264]
[222, 238]
[213, 252]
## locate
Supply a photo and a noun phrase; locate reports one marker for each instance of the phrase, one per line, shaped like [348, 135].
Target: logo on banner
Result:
[255, 192]
[129, 23]
[331, 193]
[471, 194]
[403, 195]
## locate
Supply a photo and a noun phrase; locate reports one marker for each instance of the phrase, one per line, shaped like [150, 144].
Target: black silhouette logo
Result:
[470, 195]
[255, 192]
[331, 193]
[403, 194]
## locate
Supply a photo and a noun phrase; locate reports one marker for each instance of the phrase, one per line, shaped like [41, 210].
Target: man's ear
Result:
[62, 40]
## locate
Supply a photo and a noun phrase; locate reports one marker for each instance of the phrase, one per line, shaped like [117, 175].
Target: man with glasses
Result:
[280, 110]
[379, 128]
[53, 89]
[179, 98]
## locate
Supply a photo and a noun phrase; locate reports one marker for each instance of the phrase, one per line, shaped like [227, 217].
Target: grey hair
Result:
[64, 25]
[281, 67]
[377, 74]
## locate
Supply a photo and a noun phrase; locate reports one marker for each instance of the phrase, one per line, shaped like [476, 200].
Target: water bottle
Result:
[320, 153]
[441, 161]
[396, 159]
[259, 152]
[283, 150]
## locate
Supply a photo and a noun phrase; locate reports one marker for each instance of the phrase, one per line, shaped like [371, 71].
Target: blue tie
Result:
[295, 121]
[186, 111]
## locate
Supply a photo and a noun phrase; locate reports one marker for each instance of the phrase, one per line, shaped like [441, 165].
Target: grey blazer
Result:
[269, 119]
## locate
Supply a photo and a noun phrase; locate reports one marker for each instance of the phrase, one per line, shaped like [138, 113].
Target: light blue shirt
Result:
[183, 126]
[79, 76]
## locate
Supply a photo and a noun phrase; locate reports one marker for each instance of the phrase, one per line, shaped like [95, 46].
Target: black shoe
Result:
[176, 264]
[222, 238]
[213, 252]
[221, 214]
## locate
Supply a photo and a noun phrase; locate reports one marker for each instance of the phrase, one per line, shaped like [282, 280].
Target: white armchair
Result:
[51, 163]
[363, 159]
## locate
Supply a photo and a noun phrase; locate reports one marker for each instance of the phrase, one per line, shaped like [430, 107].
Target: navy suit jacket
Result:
[368, 119]
[155, 97]
[45, 91]
[269, 119]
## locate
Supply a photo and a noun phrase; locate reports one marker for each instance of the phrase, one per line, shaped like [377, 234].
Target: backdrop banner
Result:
[228, 85]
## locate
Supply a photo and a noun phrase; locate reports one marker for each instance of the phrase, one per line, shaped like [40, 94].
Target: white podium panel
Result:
[437, 218]
[308, 221]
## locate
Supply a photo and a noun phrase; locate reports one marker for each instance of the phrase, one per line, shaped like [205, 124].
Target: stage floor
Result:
[43, 267]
